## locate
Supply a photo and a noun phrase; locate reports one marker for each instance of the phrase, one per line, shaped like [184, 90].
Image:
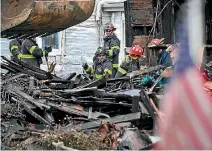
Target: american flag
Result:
[188, 109]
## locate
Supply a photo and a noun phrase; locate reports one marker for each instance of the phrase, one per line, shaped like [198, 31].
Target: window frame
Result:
[56, 41]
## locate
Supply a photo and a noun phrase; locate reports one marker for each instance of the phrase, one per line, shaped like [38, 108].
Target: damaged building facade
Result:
[77, 45]
[136, 21]
[166, 12]
[148, 19]
[71, 111]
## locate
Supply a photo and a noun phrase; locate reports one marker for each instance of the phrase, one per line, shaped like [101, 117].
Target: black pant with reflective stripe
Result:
[114, 72]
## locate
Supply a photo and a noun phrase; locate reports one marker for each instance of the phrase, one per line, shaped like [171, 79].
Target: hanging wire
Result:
[164, 8]
[155, 20]
[158, 14]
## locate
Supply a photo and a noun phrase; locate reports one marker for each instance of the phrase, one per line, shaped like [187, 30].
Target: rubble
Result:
[52, 113]
[48, 112]
[75, 140]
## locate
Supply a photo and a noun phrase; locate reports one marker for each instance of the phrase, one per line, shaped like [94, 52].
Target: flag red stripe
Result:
[168, 109]
[203, 119]
[188, 129]
[183, 121]
[170, 140]
[185, 127]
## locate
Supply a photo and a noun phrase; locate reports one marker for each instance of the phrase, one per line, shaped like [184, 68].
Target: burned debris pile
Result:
[43, 111]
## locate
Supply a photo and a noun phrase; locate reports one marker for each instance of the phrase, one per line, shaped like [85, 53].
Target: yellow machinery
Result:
[32, 18]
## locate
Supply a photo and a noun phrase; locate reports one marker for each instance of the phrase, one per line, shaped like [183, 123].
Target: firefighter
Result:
[164, 57]
[102, 67]
[32, 54]
[15, 49]
[131, 61]
[89, 70]
[112, 46]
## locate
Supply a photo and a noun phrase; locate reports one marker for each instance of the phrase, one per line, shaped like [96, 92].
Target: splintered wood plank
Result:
[117, 119]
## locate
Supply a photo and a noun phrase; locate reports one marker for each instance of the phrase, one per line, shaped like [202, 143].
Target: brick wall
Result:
[141, 12]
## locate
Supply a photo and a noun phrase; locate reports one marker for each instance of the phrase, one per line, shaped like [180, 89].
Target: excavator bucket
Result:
[32, 18]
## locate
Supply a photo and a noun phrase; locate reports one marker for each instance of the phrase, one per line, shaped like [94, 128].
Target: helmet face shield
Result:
[134, 57]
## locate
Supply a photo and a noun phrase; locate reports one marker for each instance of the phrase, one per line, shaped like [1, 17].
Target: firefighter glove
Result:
[48, 49]
[85, 65]
[107, 76]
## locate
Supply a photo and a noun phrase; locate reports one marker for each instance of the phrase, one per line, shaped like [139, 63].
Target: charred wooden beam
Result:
[24, 103]
[119, 79]
[9, 61]
[145, 99]
[114, 95]
[59, 81]
[48, 116]
[71, 76]
[94, 98]
[104, 102]
[34, 114]
[59, 86]
[94, 115]
[20, 68]
[15, 90]
[28, 72]
[117, 119]
[12, 78]
[95, 83]
[6, 67]
[62, 100]
[77, 79]
[41, 94]
[82, 92]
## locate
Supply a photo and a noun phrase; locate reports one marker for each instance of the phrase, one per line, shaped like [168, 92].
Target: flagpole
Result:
[201, 56]
[196, 29]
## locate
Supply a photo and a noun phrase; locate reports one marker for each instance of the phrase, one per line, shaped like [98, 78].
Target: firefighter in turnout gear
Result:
[15, 49]
[102, 68]
[88, 69]
[131, 61]
[32, 54]
[112, 46]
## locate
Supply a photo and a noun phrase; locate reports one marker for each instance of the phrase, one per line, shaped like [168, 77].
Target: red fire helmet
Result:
[155, 42]
[136, 50]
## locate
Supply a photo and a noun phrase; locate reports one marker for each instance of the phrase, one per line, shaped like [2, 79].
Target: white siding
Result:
[79, 43]
[4, 50]
[117, 18]
[5, 47]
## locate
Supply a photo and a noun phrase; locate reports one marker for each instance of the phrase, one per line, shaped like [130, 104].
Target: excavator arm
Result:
[32, 18]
